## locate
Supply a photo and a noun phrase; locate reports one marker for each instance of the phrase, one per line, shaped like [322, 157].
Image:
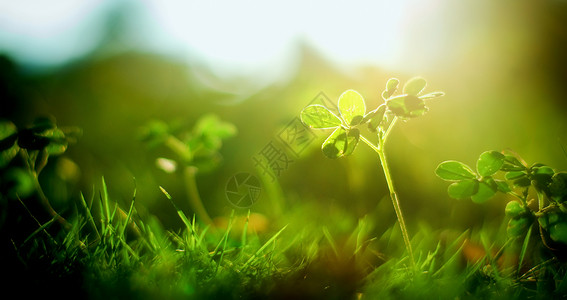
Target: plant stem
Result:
[193, 194]
[393, 195]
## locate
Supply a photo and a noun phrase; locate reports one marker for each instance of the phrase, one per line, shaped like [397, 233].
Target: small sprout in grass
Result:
[354, 116]
[194, 150]
[35, 144]
[507, 173]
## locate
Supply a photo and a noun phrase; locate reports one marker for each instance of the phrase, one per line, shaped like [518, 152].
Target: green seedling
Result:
[353, 116]
[517, 180]
[195, 150]
[35, 144]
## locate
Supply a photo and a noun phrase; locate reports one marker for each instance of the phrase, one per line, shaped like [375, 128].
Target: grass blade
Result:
[524, 248]
[272, 239]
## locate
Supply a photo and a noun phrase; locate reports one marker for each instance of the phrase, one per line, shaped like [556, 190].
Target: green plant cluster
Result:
[520, 181]
[353, 115]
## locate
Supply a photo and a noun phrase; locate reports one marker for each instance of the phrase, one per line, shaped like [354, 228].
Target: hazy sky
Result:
[232, 37]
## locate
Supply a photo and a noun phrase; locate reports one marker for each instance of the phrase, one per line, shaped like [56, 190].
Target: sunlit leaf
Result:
[392, 84]
[432, 95]
[212, 125]
[454, 170]
[485, 191]
[391, 87]
[414, 86]
[318, 116]
[353, 136]
[406, 106]
[352, 107]
[489, 163]
[375, 117]
[340, 143]
[463, 189]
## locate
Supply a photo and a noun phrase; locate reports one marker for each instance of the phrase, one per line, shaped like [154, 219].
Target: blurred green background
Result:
[111, 68]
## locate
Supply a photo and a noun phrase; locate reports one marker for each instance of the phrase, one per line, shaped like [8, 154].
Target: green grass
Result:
[113, 253]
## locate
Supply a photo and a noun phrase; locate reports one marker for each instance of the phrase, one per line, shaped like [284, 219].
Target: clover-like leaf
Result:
[352, 107]
[391, 87]
[463, 189]
[514, 209]
[375, 117]
[489, 163]
[558, 187]
[453, 171]
[212, 125]
[432, 95]
[414, 86]
[8, 146]
[517, 226]
[485, 191]
[57, 141]
[558, 232]
[406, 106]
[340, 143]
[541, 176]
[512, 163]
[318, 116]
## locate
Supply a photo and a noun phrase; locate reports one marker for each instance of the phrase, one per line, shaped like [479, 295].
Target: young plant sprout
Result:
[550, 186]
[380, 121]
[35, 144]
[194, 150]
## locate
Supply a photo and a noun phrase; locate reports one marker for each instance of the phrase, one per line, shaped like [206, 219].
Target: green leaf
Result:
[511, 163]
[392, 84]
[353, 136]
[406, 106]
[514, 209]
[318, 116]
[517, 227]
[558, 187]
[414, 86]
[19, 183]
[212, 125]
[489, 163]
[541, 176]
[57, 142]
[375, 117]
[515, 175]
[391, 87]
[8, 147]
[558, 232]
[352, 107]
[484, 192]
[462, 189]
[454, 170]
[502, 186]
[432, 95]
[522, 182]
[41, 124]
[340, 143]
